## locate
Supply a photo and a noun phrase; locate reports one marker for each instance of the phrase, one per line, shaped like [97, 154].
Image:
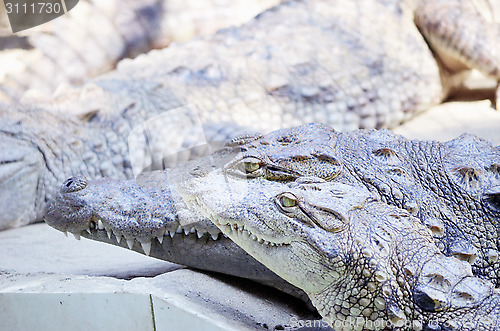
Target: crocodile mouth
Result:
[100, 228]
[231, 229]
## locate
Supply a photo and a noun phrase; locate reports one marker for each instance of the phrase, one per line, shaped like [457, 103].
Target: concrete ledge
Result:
[50, 282]
[98, 311]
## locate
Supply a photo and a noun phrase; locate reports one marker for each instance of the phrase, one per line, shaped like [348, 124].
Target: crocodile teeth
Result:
[109, 233]
[130, 243]
[100, 226]
[214, 236]
[172, 234]
[162, 232]
[200, 234]
[77, 236]
[186, 232]
[189, 203]
[146, 247]
[179, 229]
[118, 238]
[88, 230]
[160, 239]
[65, 233]
[232, 227]
[260, 240]
[254, 237]
[193, 230]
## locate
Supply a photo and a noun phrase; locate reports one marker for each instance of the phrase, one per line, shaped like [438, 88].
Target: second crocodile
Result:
[363, 263]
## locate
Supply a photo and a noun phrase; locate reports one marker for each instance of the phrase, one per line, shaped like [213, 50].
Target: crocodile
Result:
[363, 263]
[452, 188]
[147, 215]
[265, 75]
[70, 50]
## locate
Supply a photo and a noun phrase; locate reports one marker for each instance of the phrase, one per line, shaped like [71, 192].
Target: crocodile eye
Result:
[287, 200]
[249, 165]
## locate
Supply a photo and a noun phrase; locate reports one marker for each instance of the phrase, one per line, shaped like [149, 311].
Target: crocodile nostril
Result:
[74, 184]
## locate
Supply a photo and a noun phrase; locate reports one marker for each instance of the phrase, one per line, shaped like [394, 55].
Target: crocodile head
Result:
[362, 262]
[131, 210]
[147, 215]
[278, 224]
[296, 231]
[286, 154]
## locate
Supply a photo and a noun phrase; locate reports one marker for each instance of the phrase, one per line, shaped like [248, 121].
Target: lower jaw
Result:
[221, 255]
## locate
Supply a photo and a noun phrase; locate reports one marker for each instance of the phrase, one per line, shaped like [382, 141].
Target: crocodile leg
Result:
[463, 34]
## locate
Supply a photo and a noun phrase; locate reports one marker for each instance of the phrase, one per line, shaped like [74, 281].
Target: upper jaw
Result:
[71, 212]
[129, 230]
[245, 233]
[231, 227]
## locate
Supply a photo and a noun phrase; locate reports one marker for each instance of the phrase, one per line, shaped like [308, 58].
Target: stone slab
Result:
[50, 282]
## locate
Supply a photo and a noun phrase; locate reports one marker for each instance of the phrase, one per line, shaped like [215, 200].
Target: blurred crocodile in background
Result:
[302, 61]
[364, 264]
[95, 35]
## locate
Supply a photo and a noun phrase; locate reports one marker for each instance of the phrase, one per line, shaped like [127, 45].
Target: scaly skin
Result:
[363, 263]
[40, 148]
[389, 166]
[452, 187]
[147, 215]
[267, 74]
[70, 49]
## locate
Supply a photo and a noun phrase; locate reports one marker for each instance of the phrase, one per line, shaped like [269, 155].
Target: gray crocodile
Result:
[71, 49]
[266, 74]
[363, 263]
[452, 188]
[147, 215]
